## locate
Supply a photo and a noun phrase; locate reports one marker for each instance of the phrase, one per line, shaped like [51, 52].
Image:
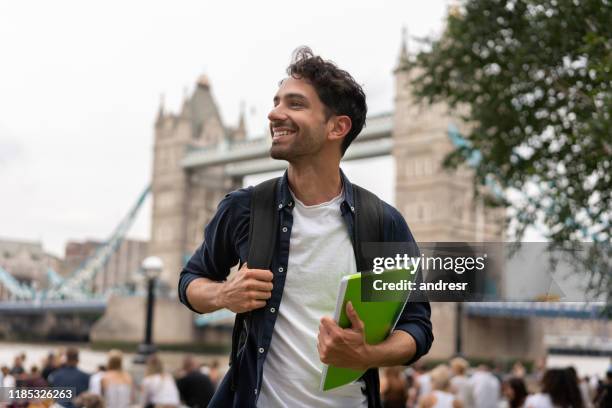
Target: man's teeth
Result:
[282, 133]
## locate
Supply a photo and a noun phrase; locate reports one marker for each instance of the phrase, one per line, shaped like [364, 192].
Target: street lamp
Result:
[151, 268]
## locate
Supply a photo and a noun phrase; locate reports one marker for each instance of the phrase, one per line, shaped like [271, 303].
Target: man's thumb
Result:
[356, 322]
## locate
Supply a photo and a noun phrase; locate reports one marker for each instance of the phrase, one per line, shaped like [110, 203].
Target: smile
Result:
[278, 133]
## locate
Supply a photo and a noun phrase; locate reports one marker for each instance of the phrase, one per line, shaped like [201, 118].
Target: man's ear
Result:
[340, 126]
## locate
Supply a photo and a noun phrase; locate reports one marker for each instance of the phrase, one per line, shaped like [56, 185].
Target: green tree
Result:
[533, 81]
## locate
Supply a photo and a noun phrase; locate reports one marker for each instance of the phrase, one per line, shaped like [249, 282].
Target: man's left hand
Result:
[344, 348]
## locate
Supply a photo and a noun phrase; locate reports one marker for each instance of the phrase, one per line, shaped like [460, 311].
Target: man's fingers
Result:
[258, 304]
[259, 285]
[330, 326]
[260, 295]
[259, 274]
[356, 322]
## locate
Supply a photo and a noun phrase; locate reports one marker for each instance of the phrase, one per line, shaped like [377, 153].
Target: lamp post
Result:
[151, 268]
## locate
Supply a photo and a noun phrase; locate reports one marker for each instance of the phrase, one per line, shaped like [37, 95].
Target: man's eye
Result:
[296, 105]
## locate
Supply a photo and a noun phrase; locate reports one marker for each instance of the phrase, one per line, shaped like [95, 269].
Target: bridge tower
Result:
[184, 200]
[439, 205]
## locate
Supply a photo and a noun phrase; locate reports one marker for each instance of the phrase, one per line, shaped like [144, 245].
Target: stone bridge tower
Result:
[439, 205]
[184, 200]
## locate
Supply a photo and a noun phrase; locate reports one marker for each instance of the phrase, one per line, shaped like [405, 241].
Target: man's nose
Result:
[277, 114]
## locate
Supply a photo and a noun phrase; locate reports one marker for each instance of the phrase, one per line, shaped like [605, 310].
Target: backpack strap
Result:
[368, 228]
[368, 224]
[263, 226]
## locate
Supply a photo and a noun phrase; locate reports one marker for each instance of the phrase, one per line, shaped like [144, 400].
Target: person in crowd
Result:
[117, 384]
[35, 379]
[440, 397]
[460, 383]
[95, 381]
[514, 392]
[422, 379]
[559, 390]
[51, 363]
[214, 373]
[486, 388]
[18, 370]
[195, 388]
[412, 387]
[582, 386]
[518, 370]
[393, 388]
[7, 379]
[158, 388]
[69, 375]
[603, 396]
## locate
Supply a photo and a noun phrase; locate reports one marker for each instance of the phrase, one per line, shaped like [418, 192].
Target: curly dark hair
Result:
[336, 88]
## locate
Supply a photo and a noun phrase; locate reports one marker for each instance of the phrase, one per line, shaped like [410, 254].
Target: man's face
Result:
[297, 122]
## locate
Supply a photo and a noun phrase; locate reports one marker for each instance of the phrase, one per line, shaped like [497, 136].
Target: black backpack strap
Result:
[368, 228]
[368, 224]
[263, 226]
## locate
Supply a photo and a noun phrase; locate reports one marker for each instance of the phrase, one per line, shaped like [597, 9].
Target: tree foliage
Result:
[533, 80]
[536, 79]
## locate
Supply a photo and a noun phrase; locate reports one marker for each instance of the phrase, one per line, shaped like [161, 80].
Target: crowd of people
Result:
[193, 385]
[453, 385]
[457, 385]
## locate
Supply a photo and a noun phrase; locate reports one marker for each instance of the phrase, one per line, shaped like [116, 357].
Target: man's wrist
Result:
[369, 356]
[219, 298]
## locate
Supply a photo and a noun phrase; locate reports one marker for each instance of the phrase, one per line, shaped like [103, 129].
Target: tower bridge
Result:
[198, 159]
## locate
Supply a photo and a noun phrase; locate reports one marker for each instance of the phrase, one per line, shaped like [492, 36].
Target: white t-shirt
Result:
[460, 384]
[539, 400]
[485, 389]
[159, 389]
[320, 253]
[95, 383]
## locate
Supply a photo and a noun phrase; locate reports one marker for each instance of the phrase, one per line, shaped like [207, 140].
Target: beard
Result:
[301, 146]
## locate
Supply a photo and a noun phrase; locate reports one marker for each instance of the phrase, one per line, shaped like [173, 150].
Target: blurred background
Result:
[124, 124]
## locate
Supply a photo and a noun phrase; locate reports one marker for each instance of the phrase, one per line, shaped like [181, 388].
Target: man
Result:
[318, 111]
[70, 376]
[196, 388]
[486, 388]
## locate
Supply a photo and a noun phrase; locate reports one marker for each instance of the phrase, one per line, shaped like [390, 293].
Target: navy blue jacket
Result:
[70, 377]
[226, 244]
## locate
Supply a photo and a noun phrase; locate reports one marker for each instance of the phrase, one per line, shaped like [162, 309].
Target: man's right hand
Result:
[246, 290]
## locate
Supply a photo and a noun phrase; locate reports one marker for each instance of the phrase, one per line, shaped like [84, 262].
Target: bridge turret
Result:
[182, 201]
[160, 112]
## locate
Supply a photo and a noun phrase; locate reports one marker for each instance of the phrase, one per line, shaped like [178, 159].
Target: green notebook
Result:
[378, 317]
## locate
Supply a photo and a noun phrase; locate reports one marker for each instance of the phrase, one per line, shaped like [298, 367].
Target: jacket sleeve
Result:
[218, 253]
[415, 318]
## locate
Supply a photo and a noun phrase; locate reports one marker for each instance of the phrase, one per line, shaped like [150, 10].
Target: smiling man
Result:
[318, 111]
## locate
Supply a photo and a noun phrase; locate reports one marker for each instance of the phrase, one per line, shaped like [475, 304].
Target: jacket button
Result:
[261, 350]
[285, 229]
[281, 269]
[280, 205]
[272, 310]
[255, 391]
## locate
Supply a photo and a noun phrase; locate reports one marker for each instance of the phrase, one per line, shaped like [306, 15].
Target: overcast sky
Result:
[80, 84]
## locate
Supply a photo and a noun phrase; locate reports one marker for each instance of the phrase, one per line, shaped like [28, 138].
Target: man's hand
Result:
[246, 290]
[344, 348]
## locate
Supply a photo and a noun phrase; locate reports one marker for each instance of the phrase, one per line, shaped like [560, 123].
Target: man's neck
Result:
[314, 184]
